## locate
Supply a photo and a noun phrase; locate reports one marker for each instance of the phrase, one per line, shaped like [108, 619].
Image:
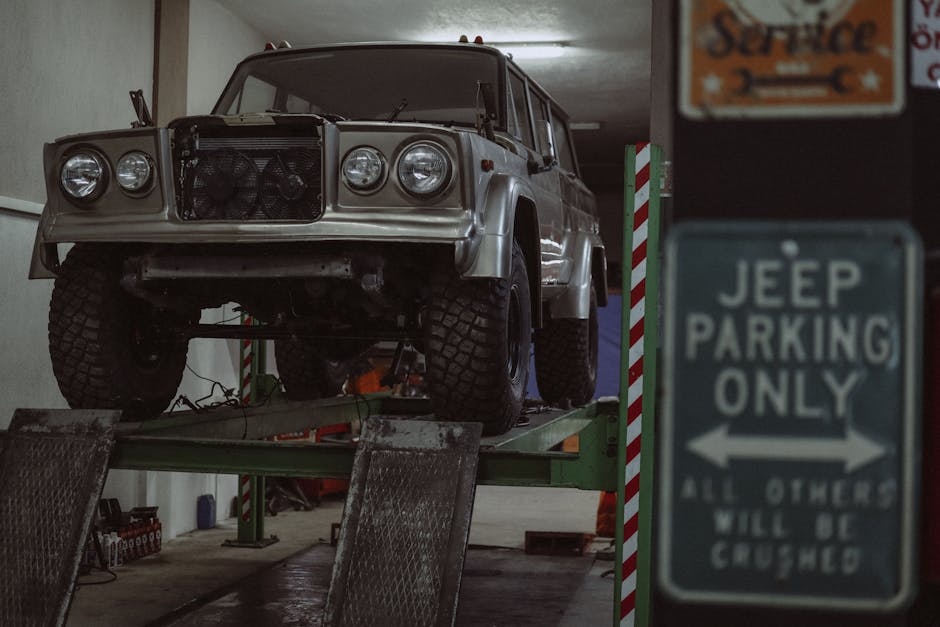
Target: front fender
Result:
[494, 255]
[575, 302]
[41, 266]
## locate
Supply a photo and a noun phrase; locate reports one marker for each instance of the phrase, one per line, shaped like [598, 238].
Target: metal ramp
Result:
[53, 465]
[404, 532]
[414, 483]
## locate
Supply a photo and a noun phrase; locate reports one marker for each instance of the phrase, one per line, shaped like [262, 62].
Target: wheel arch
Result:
[525, 230]
[599, 274]
[508, 214]
[589, 266]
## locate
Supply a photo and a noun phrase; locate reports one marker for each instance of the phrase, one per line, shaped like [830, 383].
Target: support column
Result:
[638, 346]
[251, 359]
[170, 60]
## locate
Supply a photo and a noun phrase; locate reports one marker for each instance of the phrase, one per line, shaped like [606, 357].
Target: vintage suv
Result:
[343, 195]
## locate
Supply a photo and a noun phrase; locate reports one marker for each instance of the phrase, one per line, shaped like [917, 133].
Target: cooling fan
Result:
[290, 186]
[224, 186]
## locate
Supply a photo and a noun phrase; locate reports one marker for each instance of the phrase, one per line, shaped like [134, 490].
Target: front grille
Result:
[252, 178]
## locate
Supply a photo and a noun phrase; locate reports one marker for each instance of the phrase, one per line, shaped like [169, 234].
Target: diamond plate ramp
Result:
[53, 465]
[404, 532]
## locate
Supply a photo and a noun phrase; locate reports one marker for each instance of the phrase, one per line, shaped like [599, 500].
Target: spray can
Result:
[105, 549]
[115, 549]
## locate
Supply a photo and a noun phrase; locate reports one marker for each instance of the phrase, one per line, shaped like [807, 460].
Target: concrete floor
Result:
[195, 580]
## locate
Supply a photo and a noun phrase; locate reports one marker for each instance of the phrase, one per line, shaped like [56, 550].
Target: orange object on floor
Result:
[606, 515]
[369, 382]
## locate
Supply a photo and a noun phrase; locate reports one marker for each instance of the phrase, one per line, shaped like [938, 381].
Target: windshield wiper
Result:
[394, 114]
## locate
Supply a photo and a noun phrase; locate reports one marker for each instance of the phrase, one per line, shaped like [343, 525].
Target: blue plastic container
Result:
[205, 511]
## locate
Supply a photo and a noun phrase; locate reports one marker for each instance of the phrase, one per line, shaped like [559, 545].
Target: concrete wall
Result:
[60, 76]
[217, 41]
[68, 69]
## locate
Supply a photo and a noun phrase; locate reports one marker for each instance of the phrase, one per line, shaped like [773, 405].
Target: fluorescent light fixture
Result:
[584, 126]
[532, 50]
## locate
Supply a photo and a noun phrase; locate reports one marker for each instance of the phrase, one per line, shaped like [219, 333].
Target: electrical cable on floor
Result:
[227, 320]
[79, 583]
[267, 397]
[199, 376]
[100, 553]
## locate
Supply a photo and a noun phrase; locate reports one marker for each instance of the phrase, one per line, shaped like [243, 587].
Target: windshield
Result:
[439, 84]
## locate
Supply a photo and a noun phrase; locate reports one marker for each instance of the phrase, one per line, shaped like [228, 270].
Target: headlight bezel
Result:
[104, 178]
[149, 183]
[370, 187]
[446, 178]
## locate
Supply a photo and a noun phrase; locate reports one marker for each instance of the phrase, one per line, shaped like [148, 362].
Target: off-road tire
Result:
[478, 343]
[307, 373]
[104, 352]
[566, 359]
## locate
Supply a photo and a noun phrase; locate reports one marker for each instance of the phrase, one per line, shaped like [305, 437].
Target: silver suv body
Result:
[343, 195]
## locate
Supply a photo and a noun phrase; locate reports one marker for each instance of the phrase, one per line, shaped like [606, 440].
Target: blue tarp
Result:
[608, 349]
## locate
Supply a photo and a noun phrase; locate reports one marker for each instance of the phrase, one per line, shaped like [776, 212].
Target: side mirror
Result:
[546, 142]
[140, 108]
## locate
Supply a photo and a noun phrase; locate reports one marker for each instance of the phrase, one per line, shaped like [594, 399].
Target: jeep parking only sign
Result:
[790, 413]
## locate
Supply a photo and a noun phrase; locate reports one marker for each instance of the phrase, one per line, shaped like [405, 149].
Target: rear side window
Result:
[522, 129]
[562, 146]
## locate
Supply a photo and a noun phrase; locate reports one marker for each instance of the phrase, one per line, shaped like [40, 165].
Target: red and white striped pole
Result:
[631, 505]
[247, 356]
[244, 395]
[245, 495]
[637, 381]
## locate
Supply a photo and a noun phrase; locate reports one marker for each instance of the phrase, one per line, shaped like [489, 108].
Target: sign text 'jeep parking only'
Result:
[791, 404]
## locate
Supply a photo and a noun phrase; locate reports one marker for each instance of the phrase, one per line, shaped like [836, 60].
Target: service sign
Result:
[791, 58]
[925, 43]
[791, 414]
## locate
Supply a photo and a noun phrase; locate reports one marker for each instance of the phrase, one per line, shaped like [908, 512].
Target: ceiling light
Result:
[532, 50]
[585, 126]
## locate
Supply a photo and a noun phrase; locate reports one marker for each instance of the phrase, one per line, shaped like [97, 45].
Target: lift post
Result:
[639, 337]
[250, 501]
[230, 441]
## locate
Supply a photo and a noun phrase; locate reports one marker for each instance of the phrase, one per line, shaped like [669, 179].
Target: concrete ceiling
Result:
[603, 75]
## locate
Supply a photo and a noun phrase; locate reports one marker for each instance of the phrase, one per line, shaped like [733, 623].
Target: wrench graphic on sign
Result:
[835, 80]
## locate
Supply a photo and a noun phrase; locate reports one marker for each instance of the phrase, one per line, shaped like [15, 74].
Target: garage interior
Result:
[613, 67]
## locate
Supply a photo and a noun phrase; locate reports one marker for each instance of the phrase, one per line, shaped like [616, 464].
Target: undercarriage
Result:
[295, 290]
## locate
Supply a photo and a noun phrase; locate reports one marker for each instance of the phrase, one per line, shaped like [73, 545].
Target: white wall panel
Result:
[25, 374]
[218, 40]
[68, 69]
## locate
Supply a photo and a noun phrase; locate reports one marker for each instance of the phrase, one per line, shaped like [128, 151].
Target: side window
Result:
[562, 146]
[540, 112]
[256, 96]
[523, 129]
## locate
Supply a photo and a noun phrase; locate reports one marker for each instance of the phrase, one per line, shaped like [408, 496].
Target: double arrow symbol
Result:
[835, 80]
[718, 446]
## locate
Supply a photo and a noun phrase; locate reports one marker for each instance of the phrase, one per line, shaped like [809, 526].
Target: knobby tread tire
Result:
[467, 350]
[90, 340]
[304, 372]
[565, 362]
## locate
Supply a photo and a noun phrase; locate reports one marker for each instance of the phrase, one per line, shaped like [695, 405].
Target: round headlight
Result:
[83, 175]
[133, 171]
[363, 168]
[423, 169]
